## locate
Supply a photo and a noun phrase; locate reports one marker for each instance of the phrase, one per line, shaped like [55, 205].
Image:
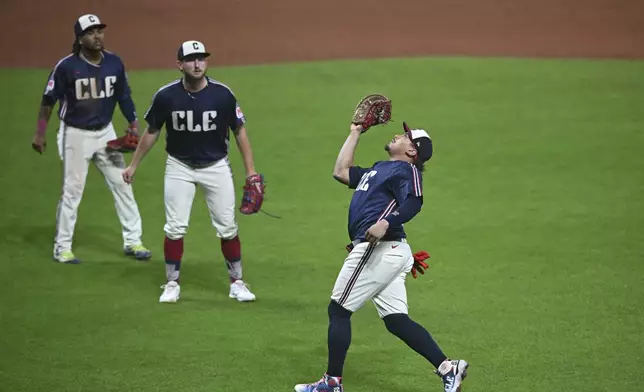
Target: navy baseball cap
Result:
[87, 22]
[190, 48]
[422, 142]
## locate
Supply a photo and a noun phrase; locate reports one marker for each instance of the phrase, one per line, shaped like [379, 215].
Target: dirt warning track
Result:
[146, 33]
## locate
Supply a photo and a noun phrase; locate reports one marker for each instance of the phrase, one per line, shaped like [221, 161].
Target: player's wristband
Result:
[133, 127]
[42, 127]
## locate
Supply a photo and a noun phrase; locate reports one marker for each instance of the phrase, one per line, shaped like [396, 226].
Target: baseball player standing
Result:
[386, 195]
[198, 113]
[89, 83]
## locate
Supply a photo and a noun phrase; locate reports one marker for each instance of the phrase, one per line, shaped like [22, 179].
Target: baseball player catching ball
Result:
[387, 195]
[89, 83]
[198, 113]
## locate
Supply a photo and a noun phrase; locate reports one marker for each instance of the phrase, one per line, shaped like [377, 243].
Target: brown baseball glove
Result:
[125, 143]
[374, 109]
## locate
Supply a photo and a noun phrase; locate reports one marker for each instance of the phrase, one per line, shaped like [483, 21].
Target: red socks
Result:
[232, 253]
[231, 249]
[173, 249]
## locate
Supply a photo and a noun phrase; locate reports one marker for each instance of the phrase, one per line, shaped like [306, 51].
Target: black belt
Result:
[354, 243]
[197, 165]
[87, 127]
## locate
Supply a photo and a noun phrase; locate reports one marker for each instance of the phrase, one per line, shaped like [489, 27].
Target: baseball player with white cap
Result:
[89, 83]
[387, 195]
[198, 113]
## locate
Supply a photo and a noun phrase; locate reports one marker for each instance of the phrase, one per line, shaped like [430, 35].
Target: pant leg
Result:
[219, 189]
[72, 144]
[393, 298]
[367, 271]
[111, 165]
[180, 187]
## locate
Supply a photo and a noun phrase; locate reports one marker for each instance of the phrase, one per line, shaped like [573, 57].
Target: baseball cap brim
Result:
[81, 33]
[204, 54]
[407, 130]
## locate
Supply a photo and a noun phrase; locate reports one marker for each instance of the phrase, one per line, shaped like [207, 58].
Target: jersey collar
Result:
[80, 54]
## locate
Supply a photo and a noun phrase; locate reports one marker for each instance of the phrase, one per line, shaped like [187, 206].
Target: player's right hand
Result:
[128, 174]
[39, 143]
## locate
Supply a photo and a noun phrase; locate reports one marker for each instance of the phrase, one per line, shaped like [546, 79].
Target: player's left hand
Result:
[377, 231]
[419, 263]
[374, 109]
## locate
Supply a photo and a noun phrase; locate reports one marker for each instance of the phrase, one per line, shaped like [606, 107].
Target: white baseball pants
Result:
[377, 274]
[181, 183]
[77, 148]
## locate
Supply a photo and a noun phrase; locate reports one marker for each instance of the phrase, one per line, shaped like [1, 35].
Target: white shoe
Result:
[170, 293]
[452, 372]
[240, 291]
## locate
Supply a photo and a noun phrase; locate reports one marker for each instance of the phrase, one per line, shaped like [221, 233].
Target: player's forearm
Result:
[409, 208]
[44, 114]
[145, 145]
[126, 104]
[347, 153]
[243, 143]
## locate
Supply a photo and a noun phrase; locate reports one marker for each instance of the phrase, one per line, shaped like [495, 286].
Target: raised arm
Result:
[346, 155]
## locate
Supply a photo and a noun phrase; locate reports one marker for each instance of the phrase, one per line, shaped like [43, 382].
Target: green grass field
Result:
[533, 215]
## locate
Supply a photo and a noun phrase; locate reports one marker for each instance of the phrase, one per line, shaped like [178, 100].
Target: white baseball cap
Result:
[422, 142]
[190, 48]
[87, 22]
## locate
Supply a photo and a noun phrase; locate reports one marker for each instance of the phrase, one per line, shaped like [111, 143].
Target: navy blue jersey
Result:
[88, 93]
[379, 190]
[197, 124]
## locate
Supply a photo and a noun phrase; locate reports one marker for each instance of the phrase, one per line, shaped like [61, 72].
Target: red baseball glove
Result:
[374, 109]
[253, 194]
[127, 142]
[419, 263]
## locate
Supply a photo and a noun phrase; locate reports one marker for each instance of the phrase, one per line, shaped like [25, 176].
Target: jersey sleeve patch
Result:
[50, 86]
[239, 114]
